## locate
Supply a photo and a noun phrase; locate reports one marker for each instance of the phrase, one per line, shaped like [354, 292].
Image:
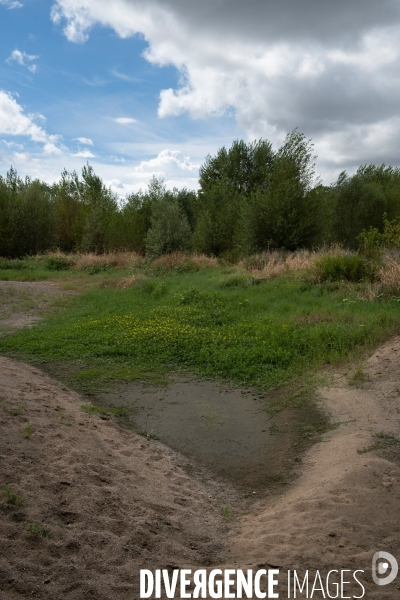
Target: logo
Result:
[381, 563]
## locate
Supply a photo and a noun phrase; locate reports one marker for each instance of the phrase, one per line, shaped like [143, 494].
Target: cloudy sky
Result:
[143, 87]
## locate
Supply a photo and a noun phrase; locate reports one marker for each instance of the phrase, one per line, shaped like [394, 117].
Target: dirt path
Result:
[23, 303]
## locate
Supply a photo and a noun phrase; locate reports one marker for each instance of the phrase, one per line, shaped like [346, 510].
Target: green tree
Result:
[69, 212]
[100, 210]
[170, 229]
[32, 219]
[285, 212]
[360, 203]
[218, 223]
[227, 182]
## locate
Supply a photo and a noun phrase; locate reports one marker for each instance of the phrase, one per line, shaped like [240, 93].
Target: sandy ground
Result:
[345, 506]
[115, 502]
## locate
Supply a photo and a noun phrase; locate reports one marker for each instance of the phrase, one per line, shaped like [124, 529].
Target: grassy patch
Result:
[39, 530]
[348, 267]
[264, 335]
[11, 498]
[27, 431]
[14, 411]
[359, 376]
[227, 513]
[383, 441]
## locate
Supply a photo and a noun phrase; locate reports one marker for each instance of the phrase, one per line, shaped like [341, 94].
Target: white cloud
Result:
[125, 120]
[124, 76]
[83, 140]
[84, 154]
[14, 122]
[10, 4]
[166, 161]
[322, 67]
[23, 59]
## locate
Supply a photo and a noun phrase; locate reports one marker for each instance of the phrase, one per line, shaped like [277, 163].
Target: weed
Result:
[359, 376]
[275, 430]
[39, 530]
[121, 413]
[383, 440]
[227, 513]
[14, 411]
[12, 499]
[27, 431]
[344, 267]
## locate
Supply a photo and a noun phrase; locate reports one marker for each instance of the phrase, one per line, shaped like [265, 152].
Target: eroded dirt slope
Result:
[112, 500]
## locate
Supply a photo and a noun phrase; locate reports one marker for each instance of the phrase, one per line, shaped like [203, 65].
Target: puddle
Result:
[226, 429]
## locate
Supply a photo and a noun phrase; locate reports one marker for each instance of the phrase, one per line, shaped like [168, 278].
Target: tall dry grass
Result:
[121, 260]
[182, 259]
[269, 265]
[389, 274]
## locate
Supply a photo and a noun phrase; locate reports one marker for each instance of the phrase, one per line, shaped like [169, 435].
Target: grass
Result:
[359, 376]
[14, 411]
[39, 530]
[12, 498]
[27, 431]
[264, 335]
[227, 513]
[383, 441]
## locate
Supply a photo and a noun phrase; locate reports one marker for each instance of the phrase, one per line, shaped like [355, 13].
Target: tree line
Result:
[250, 199]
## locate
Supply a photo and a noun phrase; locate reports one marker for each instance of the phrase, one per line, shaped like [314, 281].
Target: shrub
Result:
[344, 267]
[373, 239]
[16, 264]
[169, 231]
[57, 263]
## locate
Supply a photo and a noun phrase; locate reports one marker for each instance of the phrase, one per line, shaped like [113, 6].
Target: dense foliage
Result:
[251, 198]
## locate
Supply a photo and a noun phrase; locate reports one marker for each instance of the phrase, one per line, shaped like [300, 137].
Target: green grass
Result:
[383, 441]
[27, 431]
[39, 530]
[264, 335]
[12, 499]
[227, 513]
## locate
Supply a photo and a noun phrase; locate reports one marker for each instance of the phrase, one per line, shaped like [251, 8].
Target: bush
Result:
[57, 263]
[373, 239]
[16, 264]
[344, 267]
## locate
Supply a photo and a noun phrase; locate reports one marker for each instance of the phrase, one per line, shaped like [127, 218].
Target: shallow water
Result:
[224, 428]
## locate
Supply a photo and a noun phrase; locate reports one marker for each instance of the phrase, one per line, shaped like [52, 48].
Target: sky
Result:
[148, 87]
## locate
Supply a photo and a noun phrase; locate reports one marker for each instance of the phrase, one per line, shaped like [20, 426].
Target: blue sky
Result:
[143, 87]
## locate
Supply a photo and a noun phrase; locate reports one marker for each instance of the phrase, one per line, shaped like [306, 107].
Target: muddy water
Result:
[226, 429]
